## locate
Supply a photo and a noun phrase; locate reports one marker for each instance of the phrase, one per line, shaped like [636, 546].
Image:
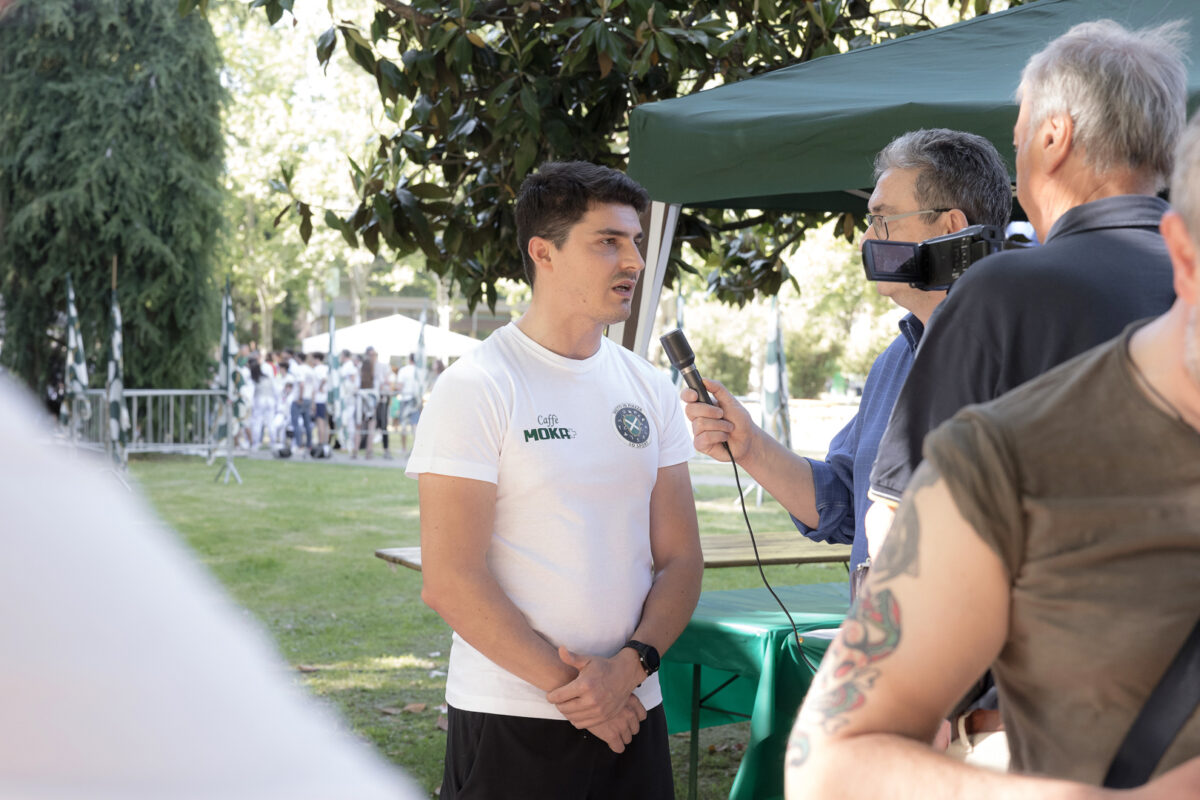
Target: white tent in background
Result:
[396, 335]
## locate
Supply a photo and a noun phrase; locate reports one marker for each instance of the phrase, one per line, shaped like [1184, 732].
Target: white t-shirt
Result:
[574, 448]
[350, 378]
[320, 373]
[408, 380]
[309, 375]
[291, 383]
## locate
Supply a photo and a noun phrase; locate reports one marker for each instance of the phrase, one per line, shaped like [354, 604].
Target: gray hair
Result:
[1185, 180]
[1126, 92]
[957, 170]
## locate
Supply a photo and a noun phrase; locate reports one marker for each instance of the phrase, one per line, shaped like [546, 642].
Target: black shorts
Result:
[497, 757]
[322, 411]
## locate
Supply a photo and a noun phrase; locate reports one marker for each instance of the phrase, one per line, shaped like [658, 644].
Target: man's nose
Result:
[633, 259]
[869, 233]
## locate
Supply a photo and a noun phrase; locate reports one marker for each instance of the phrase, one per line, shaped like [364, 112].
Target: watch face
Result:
[650, 659]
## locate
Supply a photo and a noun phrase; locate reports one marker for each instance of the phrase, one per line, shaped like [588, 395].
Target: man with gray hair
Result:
[1053, 534]
[1100, 111]
[928, 183]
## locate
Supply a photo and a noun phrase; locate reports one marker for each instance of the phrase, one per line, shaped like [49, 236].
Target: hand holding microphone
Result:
[722, 424]
[726, 423]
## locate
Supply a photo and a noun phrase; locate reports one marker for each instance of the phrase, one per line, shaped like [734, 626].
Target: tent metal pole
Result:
[634, 333]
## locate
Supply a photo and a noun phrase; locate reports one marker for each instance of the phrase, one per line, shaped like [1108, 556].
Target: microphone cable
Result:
[758, 562]
[683, 359]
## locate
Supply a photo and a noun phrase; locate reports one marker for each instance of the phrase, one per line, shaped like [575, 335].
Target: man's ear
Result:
[954, 220]
[1055, 137]
[1183, 257]
[541, 252]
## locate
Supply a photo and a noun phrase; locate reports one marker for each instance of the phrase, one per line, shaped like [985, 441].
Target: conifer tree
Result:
[110, 146]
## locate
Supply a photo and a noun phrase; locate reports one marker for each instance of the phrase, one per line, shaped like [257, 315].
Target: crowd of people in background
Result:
[285, 402]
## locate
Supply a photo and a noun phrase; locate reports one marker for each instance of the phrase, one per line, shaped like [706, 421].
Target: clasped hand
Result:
[599, 700]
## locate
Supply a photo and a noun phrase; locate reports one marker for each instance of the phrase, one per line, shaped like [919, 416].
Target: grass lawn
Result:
[294, 545]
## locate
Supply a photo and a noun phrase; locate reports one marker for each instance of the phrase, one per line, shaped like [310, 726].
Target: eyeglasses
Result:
[880, 222]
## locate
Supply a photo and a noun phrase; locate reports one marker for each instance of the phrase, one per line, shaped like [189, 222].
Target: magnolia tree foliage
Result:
[478, 92]
[286, 110]
[110, 146]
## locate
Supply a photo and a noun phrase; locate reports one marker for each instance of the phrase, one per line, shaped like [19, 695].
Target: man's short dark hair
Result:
[957, 170]
[560, 193]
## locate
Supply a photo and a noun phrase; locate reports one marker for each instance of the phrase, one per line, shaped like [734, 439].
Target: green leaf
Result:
[370, 237]
[571, 24]
[325, 44]
[383, 210]
[666, 46]
[306, 226]
[407, 201]
[464, 128]
[422, 108]
[347, 229]
[411, 141]
[392, 74]
[464, 52]
[274, 11]
[501, 91]
[379, 25]
[357, 48]
[429, 191]
[452, 238]
[524, 157]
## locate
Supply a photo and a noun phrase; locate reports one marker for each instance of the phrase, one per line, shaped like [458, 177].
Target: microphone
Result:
[680, 354]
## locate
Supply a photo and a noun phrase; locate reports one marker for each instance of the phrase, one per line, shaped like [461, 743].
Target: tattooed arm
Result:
[932, 617]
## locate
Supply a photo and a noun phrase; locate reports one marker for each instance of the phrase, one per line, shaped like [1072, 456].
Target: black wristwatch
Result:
[646, 654]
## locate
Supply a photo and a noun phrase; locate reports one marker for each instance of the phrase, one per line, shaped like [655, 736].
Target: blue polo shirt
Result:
[842, 480]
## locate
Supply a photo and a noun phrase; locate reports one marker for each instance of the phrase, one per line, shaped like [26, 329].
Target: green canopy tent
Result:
[803, 138]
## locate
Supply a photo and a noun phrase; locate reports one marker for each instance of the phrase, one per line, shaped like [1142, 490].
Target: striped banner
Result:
[334, 400]
[118, 414]
[229, 378]
[75, 377]
[775, 418]
[420, 365]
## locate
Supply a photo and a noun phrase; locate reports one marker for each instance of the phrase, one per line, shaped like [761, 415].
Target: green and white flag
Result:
[775, 419]
[229, 378]
[118, 414]
[420, 365]
[676, 375]
[75, 379]
[334, 399]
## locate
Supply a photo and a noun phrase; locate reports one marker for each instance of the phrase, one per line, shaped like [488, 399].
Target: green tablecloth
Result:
[742, 638]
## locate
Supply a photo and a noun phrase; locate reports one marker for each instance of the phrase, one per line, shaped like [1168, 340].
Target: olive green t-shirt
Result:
[1090, 495]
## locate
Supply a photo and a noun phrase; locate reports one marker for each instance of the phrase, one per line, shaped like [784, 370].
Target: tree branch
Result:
[406, 12]
[741, 224]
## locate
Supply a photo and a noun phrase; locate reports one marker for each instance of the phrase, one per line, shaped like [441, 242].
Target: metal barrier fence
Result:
[163, 420]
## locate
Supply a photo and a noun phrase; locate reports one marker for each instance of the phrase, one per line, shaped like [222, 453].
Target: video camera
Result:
[934, 263]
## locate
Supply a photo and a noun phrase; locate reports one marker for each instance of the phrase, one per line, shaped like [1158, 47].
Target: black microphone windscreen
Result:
[678, 351]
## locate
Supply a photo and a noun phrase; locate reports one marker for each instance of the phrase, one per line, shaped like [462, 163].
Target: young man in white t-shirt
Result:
[321, 385]
[301, 403]
[410, 382]
[558, 531]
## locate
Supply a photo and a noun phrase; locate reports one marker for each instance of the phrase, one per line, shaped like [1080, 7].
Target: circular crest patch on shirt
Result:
[632, 424]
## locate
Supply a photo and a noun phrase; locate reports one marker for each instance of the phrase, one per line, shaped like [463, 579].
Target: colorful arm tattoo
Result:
[871, 632]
